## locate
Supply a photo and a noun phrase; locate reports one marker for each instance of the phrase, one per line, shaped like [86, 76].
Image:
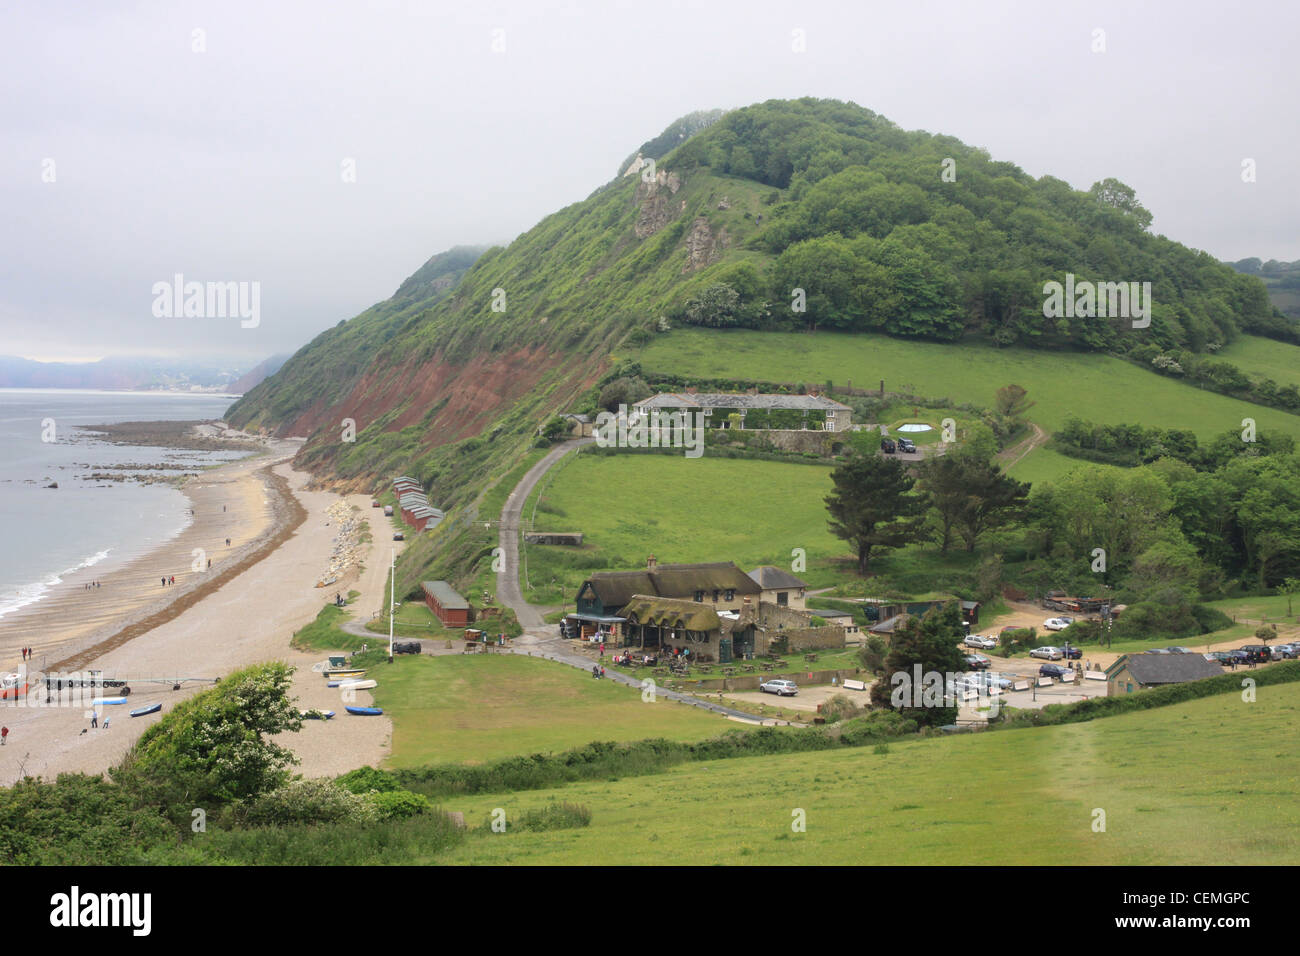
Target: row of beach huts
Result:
[414, 504]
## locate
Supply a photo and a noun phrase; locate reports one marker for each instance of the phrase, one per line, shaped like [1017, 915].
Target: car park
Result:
[983, 643]
[1053, 670]
[1047, 652]
[1058, 623]
[1256, 653]
[782, 688]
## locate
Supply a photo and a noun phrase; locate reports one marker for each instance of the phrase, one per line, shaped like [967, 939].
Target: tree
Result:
[872, 506]
[929, 647]
[1114, 194]
[1012, 401]
[989, 499]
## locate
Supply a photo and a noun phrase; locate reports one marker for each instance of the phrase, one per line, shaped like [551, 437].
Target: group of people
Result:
[169, 580]
[27, 653]
[597, 671]
[94, 720]
[91, 584]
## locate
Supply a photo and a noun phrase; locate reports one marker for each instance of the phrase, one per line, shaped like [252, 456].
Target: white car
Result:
[1058, 623]
[1047, 653]
[983, 643]
[782, 688]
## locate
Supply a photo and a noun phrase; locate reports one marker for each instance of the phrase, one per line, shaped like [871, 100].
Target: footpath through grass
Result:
[479, 707]
[1208, 781]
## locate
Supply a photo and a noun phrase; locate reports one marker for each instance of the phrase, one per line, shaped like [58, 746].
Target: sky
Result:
[318, 153]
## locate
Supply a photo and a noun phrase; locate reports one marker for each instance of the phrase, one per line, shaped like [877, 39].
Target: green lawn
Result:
[1088, 385]
[680, 510]
[1213, 781]
[1270, 608]
[1264, 358]
[479, 707]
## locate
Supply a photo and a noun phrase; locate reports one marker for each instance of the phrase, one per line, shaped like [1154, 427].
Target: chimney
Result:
[650, 563]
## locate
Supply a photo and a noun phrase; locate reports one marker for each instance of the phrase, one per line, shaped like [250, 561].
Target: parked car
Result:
[983, 643]
[907, 445]
[1053, 670]
[1157, 650]
[1283, 652]
[398, 536]
[888, 446]
[986, 680]
[1072, 653]
[978, 662]
[1047, 652]
[406, 647]
[1058, 623]
[782, 688]
[1257, 653]
[1219, 657]
[1237, 658]
[1178, 650]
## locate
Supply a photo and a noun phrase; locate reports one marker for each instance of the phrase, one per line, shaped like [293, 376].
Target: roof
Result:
[671, 612]
[727, 400]
[615, 588]
[768, 577]
[1166, 668]
[887, 627]
[581, 417]
[442, 592]
[827, 615]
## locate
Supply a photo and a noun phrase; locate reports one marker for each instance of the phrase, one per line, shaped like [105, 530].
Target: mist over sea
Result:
[85, 525]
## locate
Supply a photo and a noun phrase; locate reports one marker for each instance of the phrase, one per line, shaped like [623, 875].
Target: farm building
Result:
[753, 411]
[779, 587]
[446, 603]
[1138, 671]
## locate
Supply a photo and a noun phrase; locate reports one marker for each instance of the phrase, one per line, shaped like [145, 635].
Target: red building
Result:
[446, 603]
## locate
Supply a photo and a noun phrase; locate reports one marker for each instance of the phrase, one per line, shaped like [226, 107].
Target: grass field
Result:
[1270, 608]
[1212, 781]
[480, 707]
[680, 510]
[1264, 358]
[1087, 385]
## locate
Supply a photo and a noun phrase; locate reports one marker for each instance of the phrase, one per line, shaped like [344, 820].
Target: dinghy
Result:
[365, 711]
[344, 673]
[316, 714]
[102, 701]
[143, 711]
[353, 684]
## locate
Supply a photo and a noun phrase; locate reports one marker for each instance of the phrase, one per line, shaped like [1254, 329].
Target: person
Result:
[94, 718]
[106, 720]
[595, 671]
[164, 582]
[602, 648]
[209, 564]
[173, 579]
[4, 735]
[602, 670]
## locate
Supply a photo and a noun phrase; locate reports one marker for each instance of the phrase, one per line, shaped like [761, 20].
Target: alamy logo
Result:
[653, 429]
[1086, 300]
[179, 299]
[103, 909]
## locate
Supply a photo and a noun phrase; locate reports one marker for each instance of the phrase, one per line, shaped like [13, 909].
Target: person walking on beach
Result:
[4, 735]
[106, 720]
[164, 582]
[94, 718]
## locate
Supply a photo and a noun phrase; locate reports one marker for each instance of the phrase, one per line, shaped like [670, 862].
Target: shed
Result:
[446, 603]
[1137, 671]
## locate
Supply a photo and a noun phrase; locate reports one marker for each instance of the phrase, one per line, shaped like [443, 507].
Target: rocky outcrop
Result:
[702, 246]
[658, 207]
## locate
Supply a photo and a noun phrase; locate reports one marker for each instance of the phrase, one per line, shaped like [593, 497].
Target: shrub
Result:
[840, 707]
[306, 802]
[556, 816]
[398, 804]
[368, 779]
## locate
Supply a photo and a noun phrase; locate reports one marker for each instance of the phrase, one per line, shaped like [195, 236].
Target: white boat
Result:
[353, 684]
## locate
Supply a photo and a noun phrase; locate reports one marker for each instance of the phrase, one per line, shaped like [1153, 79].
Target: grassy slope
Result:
[1209, 782]
[1265, 358]
[1091, 386]
[485, 706]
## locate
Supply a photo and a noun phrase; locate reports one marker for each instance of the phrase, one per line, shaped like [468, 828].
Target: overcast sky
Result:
[227, 164]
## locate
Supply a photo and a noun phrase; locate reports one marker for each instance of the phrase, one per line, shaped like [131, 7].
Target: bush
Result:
[840, 707]
[306, 802]
[556, 816]
[368, 779]
[398, 804]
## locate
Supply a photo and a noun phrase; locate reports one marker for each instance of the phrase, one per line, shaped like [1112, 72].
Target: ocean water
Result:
[51, 533]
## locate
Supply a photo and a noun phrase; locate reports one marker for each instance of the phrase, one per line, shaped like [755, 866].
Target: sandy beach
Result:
[243, 611]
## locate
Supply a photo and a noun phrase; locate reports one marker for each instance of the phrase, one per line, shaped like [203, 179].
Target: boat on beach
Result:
[13, 686]
[365, 711]
[144, 711]
[104, 701]
[314, 714]
[343, 673]
[353, 684]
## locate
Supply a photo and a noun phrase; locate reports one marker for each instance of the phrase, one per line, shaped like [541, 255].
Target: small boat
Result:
[102, 701]
[145, 711]
[353, 684]
[365, 711]
[316, 714]
[13, 686]
[344, 673]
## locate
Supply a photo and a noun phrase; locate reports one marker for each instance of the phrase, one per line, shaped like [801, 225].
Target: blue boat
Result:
[144, 711]
[104, 701]
[365, 711]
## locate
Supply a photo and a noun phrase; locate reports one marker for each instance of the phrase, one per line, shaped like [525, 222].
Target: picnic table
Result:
[810, 657]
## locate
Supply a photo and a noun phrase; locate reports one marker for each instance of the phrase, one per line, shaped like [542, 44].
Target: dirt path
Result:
[1012, 456]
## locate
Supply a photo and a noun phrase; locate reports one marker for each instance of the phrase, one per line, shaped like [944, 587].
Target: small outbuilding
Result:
[1138, 671]
[446, 603]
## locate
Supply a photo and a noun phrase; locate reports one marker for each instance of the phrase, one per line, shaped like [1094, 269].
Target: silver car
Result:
[983, 643]
[1047, 653]
[782, 688]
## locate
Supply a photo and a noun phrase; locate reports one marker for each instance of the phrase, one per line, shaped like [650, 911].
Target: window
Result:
[699, 597]
[783, 598]
[716, 592]
[731, 594]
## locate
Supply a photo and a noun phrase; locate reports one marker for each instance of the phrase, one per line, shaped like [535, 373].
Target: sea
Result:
[49, 533]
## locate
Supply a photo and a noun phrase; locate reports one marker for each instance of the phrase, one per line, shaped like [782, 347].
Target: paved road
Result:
[508, 592]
